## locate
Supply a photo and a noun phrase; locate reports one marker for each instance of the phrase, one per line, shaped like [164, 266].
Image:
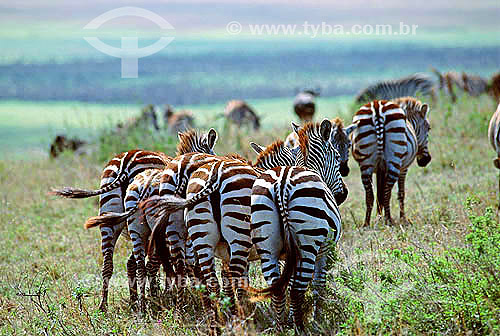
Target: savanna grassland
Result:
[437, 275]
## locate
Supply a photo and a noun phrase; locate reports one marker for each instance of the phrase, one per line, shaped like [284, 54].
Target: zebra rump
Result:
[390, 89]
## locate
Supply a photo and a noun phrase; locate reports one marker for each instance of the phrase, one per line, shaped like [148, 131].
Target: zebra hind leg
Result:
[367, 184]
[109, 236]
[401, 196]
[390, 181]
[140, 256]
[152, 268]
[132, 281]
[297, 295]
[228, 288]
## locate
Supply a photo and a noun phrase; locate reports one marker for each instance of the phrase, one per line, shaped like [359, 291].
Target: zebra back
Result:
[391, 89]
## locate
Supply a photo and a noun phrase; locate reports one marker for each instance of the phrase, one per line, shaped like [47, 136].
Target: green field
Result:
[437, 275]
[31, 126]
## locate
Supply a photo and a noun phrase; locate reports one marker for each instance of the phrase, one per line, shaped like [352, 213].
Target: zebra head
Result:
[340, 141]
[318, 153]
[193, 141]
[417, 114]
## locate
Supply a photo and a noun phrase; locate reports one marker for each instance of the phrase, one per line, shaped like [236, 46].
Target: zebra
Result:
[228, 192]
[177, 121]
[62, 143]
[494, 135]
[474, 85]
[116, 175]
[447, 82]
[494, 87]
[304, 104]
[389, 136]
[145, 120]
[218, 214]
[240, 113]
[339, 138]
[390, 89]
[294, 209]
[149, 183]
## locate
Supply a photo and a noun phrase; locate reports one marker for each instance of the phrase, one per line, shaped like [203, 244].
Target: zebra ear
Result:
[325, 129]
[211, 138]
[257, 149]
[424, 111]
[295, 127]
[348, 130]
[180, 135]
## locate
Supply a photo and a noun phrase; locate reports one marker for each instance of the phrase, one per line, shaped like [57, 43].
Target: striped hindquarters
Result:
[381, 135]
[293, 213]
[310, 207]
[125, 167]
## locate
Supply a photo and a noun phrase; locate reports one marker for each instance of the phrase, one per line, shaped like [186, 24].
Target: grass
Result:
[31, 126]
[438, 275]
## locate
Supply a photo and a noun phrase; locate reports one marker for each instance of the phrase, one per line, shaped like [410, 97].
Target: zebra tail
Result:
[157, 241]
[170, 203]
[109, 219]
[166, 204]
[381, 172]
[69, 192]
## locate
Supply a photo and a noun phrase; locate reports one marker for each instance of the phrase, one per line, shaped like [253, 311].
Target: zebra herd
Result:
[187, 210]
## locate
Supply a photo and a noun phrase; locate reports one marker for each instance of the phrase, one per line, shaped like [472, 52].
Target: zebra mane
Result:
[188, 141]
[410, 105]
[239, 157]
[273, 149]
[304, 133]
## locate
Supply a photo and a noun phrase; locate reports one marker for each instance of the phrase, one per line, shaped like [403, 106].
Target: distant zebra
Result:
[390, 89]
[448, 81]
[62, 143]
[494, 87]
[339, 138]
[388, 138]
[304, 104]
[146, 119]
[119, 173]
[176, 122]
[474, 85]
[494, 135]
[240, 113]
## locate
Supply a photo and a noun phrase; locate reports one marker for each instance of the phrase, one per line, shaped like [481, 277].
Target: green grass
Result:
[438, 275]
[29, 127]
